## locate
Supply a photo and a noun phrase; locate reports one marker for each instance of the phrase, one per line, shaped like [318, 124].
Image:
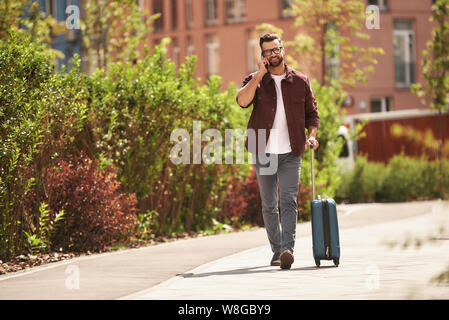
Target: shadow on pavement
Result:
[248, 271]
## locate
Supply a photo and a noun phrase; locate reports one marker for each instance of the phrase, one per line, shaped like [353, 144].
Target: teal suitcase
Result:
[325, 235]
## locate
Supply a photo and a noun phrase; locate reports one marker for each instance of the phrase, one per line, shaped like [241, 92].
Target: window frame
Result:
[409, 59]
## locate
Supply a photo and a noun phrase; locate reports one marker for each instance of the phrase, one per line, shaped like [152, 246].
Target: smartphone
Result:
[266, 65]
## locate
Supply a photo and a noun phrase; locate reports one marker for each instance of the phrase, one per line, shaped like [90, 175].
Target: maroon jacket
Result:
[299, 104]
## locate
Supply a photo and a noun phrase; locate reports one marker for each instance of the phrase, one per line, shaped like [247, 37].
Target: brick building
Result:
[221, 33]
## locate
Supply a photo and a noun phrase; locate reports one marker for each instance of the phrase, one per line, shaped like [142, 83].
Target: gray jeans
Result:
[281, 229]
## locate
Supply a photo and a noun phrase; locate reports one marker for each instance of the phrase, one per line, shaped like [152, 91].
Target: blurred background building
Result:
[221, 33]
[67, 41]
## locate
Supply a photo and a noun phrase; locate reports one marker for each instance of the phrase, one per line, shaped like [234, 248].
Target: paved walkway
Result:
[382, 261]
[373, 265]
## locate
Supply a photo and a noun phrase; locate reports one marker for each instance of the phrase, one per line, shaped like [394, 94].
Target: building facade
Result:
[221, 33]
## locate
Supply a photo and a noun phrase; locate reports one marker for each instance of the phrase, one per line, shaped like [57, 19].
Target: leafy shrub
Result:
[39, 238]
[413, 179]
[24, 70]
[362, 183]
[96, 213]
[403, 179]
[133, 111]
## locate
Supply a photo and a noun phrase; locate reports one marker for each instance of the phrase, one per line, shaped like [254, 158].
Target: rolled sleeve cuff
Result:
[236, 100]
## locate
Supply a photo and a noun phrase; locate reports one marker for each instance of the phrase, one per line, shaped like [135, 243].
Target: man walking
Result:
[283, 106]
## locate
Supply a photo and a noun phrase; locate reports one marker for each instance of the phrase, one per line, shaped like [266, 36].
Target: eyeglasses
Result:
[269, 52]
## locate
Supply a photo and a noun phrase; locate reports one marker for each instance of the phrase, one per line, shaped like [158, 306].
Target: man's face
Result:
[275, 59]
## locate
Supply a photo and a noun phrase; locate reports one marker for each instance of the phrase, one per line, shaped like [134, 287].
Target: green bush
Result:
[122, 117]
[133, 111]
[403, 179]
[413, 179]
[24, 70]
[362, 183]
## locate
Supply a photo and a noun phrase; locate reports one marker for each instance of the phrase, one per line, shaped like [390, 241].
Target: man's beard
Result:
[280, 59]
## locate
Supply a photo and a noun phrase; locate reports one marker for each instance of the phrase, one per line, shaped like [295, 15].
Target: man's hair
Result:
[268, 38]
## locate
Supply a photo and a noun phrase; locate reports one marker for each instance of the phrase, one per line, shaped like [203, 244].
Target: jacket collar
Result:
[288, 75]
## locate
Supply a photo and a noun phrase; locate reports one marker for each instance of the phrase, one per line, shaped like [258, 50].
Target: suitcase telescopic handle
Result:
[312, 154]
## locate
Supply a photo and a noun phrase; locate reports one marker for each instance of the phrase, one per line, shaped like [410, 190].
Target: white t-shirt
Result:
[279, 140]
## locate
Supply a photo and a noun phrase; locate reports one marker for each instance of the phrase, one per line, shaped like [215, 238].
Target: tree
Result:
[331, 28]
[435, 64]
[113, 30]
[31, 23]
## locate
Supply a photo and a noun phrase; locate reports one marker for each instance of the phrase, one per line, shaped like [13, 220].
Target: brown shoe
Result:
[286, 260]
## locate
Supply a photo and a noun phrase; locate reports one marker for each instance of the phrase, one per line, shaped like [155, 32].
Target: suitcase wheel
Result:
[317, 262]
[337, 261]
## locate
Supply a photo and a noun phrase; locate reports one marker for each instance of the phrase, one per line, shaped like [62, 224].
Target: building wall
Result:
[382, 82]
[233, 44]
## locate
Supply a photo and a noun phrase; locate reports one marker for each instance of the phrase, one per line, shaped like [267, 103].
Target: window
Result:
[286, 6]
[189, 14]
[382, 4]
[190, 46]
[235, 11]
[253, 51]
[174, 14]
[404, 60]
[213, 59]
[211, 12]
[380, 104]
[158, 7]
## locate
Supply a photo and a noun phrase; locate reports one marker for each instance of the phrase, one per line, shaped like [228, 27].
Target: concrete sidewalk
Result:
[236, 265]
[381, 261]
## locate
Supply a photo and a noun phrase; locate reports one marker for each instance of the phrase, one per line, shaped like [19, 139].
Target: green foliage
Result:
[146, 222]
[362, 183]
[39, 239]
[113, 31]
[24, 69]
[137, 107]
[333, 35]
[403, 179]
[435, 61]
[36, 27]
[122, 116]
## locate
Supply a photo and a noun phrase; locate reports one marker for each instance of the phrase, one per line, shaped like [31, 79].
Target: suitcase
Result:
[325, 236]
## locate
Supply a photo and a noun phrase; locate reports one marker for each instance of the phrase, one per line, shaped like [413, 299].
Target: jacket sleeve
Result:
[311, 109]
[247, 79]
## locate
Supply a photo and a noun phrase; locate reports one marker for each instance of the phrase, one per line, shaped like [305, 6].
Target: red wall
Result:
[381, 145]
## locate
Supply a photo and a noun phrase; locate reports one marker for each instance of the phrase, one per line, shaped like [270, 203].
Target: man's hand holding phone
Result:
[263, 66]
